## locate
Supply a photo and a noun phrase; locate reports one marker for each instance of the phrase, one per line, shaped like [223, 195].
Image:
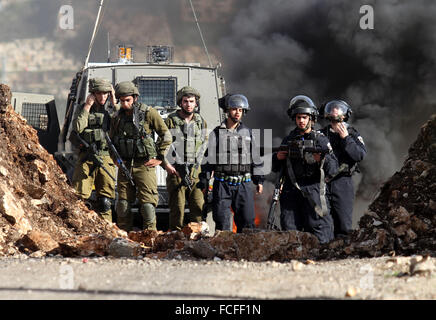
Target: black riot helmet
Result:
[234, 101]
[304, 105]
[337, 110]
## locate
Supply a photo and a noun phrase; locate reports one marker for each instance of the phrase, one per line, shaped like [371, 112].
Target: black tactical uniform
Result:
[230, 156]
[349, 151]
[303, 202]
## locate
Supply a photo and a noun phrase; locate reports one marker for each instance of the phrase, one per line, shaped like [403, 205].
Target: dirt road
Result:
[119, 279]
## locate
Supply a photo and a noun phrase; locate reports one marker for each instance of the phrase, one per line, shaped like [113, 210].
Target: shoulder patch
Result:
[361, 139]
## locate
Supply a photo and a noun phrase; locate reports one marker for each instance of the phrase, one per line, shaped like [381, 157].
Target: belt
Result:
[232, 180]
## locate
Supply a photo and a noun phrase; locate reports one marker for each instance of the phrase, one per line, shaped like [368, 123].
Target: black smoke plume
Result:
[280, 49]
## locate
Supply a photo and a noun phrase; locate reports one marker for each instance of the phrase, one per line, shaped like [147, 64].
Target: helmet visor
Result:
[335, 110]
[238, 101]
[302, 98]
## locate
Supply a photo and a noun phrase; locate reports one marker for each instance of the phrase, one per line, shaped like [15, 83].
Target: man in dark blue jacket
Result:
[305, 160]
[232, 158]
[349, 149]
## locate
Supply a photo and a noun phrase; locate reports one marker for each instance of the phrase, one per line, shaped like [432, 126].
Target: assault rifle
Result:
[298, 149]
[271, 222]
[92, 151]
[208, 199]
[186, 177]
[118, 160]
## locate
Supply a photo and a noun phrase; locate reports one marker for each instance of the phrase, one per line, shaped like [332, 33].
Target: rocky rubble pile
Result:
[39, 212]
[250, 245]
[402, 219]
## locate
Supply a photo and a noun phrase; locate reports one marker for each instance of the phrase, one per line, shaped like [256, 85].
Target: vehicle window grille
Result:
[36, 115]
[157, 91]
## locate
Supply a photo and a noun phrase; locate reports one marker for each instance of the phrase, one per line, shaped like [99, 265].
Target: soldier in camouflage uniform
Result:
[132, 132]
[184, 159]
[91, 121]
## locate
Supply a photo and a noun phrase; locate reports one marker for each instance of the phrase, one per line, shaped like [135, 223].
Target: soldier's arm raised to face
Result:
[80, 121]
[354, 146]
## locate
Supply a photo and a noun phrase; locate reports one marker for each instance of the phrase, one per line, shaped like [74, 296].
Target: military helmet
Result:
[125, 88]
[234, 101]
[99, 85]
[187, 91]
[302, 104]
[337, 110]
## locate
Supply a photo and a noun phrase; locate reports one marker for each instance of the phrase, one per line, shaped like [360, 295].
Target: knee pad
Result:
[148, 213]
[123, 208]
[105, 204]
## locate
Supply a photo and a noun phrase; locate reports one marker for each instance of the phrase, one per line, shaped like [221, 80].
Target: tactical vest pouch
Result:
[95, 119]
[149, 147]
[231, 169]
[126, 148]
[98, 135]
[88, 135]
[245, 168]
[141, 151]
[92, 135]
[130, 148]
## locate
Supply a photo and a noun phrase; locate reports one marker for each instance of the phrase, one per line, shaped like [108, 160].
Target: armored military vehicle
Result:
[158, 79]
[40, 112]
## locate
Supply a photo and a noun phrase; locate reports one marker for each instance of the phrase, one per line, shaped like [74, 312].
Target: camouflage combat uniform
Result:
[189, 138]
[91, 126]
[133, 137]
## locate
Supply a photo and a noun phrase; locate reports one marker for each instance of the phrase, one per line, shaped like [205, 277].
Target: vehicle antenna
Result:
[201, 34]
[108, 49]
[93, 34]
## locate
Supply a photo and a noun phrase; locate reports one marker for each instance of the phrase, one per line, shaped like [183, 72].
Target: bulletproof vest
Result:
[302, 166]
[189, 137]
[234, 151]
[133, 137]
[98, 123]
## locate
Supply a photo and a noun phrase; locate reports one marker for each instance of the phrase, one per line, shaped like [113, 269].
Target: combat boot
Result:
[148, 213]
[124, 216]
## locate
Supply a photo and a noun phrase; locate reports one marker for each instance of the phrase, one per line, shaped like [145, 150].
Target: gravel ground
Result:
[151, 279]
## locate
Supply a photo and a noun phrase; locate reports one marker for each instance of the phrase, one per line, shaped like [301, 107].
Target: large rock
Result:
[120, 247]
[12, 209]
[38, 241]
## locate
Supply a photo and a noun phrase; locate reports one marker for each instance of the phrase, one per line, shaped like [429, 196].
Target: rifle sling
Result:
[321, 211]
[343, 168]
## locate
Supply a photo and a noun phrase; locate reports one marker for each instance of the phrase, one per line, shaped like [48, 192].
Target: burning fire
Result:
[257, 218]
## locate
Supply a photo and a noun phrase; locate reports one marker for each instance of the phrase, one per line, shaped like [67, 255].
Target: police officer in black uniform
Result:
[349, 149]
[305, 158]
[231, 159]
